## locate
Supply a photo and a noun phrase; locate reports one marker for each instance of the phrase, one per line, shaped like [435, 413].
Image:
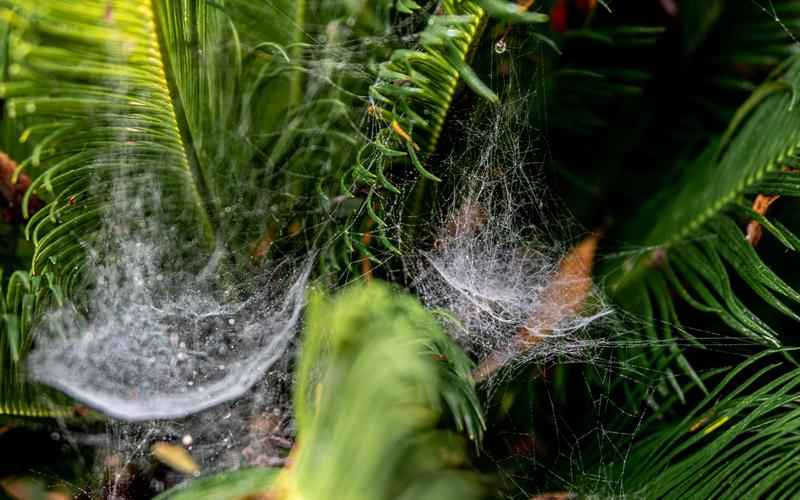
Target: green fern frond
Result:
[697, 245]
[742, 437]
[18, 308]
[121, 97]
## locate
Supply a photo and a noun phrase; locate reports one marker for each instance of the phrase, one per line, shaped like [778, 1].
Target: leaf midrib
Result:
[182, 135]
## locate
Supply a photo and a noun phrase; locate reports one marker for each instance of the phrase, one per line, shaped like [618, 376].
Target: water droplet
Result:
[231, 321]
[157, 485]
[187, 440]
[501, 46]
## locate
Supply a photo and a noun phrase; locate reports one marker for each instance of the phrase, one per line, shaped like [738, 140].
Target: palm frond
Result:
[742, 437]
[415, 88]
[122, 97]
[412, 97]
[112, 115]
[18, 308]
[696, 247]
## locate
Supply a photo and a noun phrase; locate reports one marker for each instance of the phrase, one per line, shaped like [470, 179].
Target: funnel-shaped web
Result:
[159, 344]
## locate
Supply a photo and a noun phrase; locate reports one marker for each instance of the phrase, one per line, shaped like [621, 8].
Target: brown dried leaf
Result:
[563, 298]
[175, 457]
[566, 294]
[760, 206]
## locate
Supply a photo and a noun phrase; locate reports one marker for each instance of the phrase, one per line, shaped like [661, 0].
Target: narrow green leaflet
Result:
[743, 437]
[697, 237]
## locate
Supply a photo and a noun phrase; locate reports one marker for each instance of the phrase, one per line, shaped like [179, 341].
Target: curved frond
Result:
[699, 247]
[414, 92]
[133, 110]
[18, 308]
[90, 83]
[415, 88]
[743, 437]
[697, 237]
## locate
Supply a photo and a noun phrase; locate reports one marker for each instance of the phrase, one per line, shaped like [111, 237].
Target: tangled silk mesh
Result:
[163, 343]
[157, 341]
[176, 350]
[184, 355]
[496, 265]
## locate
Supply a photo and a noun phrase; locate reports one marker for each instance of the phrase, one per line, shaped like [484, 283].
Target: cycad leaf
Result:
[698, 246]
[371, 383]
[415, 90]
[134, 109]
[17, 310]
[113, 92]
[95, 73]
[740, 440]
[417, 87]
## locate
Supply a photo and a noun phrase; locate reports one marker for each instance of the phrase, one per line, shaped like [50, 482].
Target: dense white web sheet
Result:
[158, 342]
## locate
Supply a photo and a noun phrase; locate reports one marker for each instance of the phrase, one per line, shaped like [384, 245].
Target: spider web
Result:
[190, 360]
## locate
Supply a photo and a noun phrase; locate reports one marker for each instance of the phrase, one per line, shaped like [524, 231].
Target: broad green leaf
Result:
[376, 365]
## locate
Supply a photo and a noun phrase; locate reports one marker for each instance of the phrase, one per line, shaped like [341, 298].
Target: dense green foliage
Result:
[342, 131]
